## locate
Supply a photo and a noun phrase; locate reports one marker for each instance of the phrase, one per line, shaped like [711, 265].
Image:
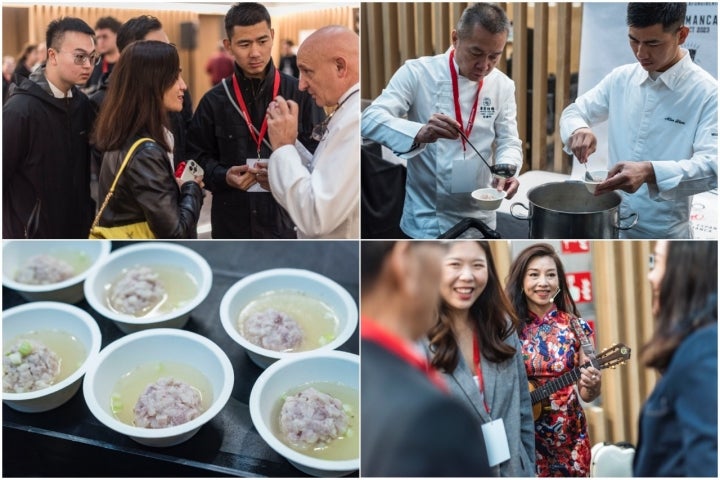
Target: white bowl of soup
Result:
[149, 285]
[282, 312]
[158, 386]
[279, 410]
[47, 348]
[488, 198]
[51, 270]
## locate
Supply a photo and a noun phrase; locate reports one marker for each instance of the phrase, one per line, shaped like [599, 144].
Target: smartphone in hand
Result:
[192, 170]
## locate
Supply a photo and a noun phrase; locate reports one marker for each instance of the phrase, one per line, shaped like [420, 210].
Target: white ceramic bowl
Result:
[150, 254]
[157, 345]
[597, 174]
[16, 253]
[488, 198]
[311, 283]
[278, 378]
[51, 316]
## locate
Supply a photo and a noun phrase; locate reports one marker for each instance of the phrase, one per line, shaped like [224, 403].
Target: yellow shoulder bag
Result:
[137, 230]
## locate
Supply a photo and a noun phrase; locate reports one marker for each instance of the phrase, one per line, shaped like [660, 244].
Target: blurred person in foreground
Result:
[411, 426]
[46, 152]
[679, 421]
[552, 335]
[475, 345]
[662, 124]
[146, 86]
[321, 191]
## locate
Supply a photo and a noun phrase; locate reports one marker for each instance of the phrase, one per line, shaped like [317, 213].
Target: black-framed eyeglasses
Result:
[81, 58]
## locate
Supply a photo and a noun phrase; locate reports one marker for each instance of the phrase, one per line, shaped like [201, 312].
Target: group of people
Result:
[433, 104]
[276, 164]
[448, 355]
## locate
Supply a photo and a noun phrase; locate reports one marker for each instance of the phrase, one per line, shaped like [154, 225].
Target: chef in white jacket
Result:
[419, 113]
[662, 124]
[321, 192]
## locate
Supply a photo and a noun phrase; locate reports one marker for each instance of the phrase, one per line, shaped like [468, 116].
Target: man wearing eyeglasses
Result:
[322, 191]
[662, 124]
[46, 155]
[227, 135]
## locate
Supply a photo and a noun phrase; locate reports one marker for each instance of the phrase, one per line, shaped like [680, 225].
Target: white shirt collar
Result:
[670, 76]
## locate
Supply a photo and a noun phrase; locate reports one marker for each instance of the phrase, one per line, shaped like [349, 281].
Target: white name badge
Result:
[464, 175]
[251, 162]
[496, 442]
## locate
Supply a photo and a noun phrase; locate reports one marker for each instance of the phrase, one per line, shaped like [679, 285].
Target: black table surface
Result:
[69, 441]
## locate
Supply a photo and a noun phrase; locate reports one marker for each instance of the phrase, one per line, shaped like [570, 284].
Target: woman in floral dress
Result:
[551, 347]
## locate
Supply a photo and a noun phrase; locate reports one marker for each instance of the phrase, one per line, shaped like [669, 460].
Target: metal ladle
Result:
[502, 170]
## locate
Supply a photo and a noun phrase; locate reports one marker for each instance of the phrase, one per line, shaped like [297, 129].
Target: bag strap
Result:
[585, 343]
[126, 160]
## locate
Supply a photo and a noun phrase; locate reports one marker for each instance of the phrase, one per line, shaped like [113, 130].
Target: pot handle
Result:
[518, 204]
[634, 222]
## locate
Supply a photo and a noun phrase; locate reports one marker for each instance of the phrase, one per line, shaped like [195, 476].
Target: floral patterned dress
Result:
[550, 349]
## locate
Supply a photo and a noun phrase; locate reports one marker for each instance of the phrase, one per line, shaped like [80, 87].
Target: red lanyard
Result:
[263, 129]
[369, 330]
[478, 371]
[105, 66]
[456, 99]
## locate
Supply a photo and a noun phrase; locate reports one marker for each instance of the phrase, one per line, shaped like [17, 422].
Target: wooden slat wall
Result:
[539, 88]
[562, 77]
[624, 314]
[388, 31]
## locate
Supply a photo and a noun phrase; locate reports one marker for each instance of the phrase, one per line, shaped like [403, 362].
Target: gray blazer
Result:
[507, 395]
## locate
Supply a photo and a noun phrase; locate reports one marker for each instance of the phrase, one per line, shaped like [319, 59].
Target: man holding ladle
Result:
[441, 113]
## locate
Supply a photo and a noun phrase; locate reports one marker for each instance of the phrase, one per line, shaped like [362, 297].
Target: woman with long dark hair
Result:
[679, 421]
[146, 85]
[475, 345]
[551, 333]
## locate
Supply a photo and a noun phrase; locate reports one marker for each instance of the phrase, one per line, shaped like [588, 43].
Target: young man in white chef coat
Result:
[427, 101]
[662, 120]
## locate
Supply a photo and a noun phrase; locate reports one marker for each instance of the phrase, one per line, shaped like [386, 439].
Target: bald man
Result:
[321, 191]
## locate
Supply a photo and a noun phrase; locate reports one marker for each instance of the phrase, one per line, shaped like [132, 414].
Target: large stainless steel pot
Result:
[566, 210]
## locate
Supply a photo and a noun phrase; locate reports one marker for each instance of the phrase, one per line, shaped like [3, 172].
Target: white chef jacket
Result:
[322, 193]
[419, 89]
[670, 121]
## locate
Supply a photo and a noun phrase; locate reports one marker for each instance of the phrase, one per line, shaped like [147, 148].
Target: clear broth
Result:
[180, 288]
[67, 347]
[128, 389]
[345, 447]
[317, 320]
[78, 260]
